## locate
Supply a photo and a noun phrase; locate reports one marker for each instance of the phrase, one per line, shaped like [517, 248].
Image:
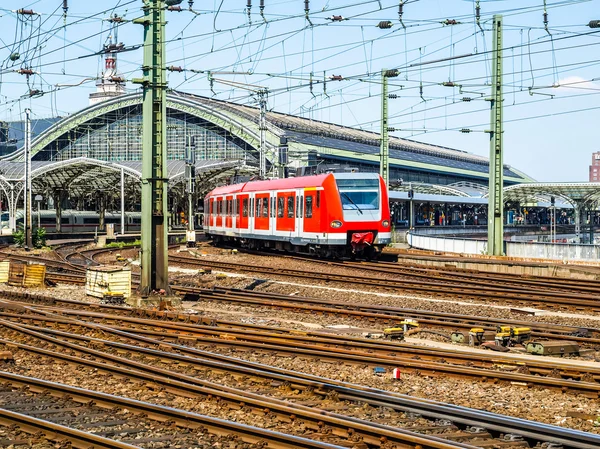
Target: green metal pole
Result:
[496, 177]
[154, 153]
[384, 151]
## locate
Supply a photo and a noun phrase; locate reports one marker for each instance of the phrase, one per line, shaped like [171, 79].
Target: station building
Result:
[82, 160]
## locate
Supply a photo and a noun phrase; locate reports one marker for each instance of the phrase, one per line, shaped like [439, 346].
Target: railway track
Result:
[94, 419]
[493, 425]
[566, 377]
[152, 371]
[382, 314]
[483, 293]
[207, 330]
[450, 274]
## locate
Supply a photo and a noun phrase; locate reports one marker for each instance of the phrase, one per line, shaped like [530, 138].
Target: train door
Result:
[243, 211]
[219, 214]
[286, 213]
[273, 218]
[299, 212]
[228, 212]
[261, 212]
[251, 213]
[312, 219]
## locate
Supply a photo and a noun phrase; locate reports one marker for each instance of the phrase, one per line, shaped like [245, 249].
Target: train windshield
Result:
[359, 193]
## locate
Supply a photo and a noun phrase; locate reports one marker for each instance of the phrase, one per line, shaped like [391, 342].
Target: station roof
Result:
[575, 193]
[437, 198]
[85, 175]
[354, 143]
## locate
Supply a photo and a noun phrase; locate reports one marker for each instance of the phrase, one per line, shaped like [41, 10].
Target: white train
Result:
[77, 221]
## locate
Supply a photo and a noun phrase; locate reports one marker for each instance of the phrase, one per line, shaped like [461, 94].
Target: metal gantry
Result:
[154, 256]
[262, 101]
[384, 150]
[27, 194]
[495, 245]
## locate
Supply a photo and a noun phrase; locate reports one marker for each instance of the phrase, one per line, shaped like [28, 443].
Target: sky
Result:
[551, 74]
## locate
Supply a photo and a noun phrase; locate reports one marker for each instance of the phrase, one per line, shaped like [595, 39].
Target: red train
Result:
[331, 215]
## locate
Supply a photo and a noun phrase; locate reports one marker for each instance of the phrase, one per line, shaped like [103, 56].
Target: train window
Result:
[301, 205]
[66, 221]
[280, 202]
[245, 207]
[272, 206]
[297, 208]
[91, 221]
[290, 206]
[257, 210]
[318, 199]
[252, 207]
[265, 208]
[237, 207]
[308, 206]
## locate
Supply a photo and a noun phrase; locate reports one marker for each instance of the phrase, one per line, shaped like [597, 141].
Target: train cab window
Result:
[245, 207]
[308, 206]
[265, 208]
[318, 199]
[280, 202]
[290, 207]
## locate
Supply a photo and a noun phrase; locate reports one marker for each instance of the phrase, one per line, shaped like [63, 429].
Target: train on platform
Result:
[76, 221]
[329, 215]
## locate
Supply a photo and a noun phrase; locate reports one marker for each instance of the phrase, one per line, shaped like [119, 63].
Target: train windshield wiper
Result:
[350, 199]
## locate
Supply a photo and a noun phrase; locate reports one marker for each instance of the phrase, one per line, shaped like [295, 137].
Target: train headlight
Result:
[385, 223]
[336, 224]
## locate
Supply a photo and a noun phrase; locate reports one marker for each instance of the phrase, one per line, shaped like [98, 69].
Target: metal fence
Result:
[557, 251]
[528, 250]
[447, 244]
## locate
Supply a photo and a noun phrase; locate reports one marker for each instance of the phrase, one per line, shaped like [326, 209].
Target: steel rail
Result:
[467, 417]
[396, 351]
[380, 313]
[461, 275]
[280, 345]
[52, 431]
[373, 313]
[373, 434]
[181, 418]
[483, 292]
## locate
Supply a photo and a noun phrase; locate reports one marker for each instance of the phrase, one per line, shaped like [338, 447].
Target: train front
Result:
[365, 211]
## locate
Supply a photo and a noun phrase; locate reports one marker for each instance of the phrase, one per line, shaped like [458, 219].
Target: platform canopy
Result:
[84, 175]
[428, 189]
[578, 194]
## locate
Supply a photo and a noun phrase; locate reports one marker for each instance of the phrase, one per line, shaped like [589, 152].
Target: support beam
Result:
[154, 154]
[384, 150]
[262, 126]
[122, 201]
[190, 171]
[27, 192]
[495, 243]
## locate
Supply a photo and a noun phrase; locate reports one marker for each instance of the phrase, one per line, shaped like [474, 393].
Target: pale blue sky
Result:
[281, 52]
